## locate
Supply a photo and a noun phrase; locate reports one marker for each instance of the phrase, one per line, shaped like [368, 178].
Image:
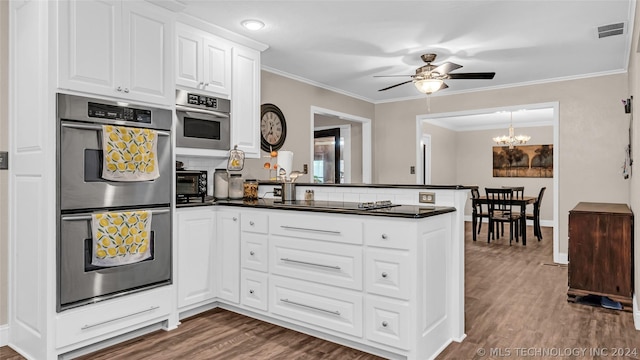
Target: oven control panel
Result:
[201, 100]
[113, 112]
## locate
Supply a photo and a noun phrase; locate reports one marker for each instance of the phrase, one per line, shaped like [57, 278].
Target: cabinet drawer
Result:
[387, 272]
[316, 306]
[390, 234]
[254, 252]
[112, 316]
[327, 263]
[387, 322]
[254, 290]
[254, 222]
[345, 229]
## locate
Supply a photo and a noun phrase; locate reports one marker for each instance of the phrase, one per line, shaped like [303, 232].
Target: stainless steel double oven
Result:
[81, 191]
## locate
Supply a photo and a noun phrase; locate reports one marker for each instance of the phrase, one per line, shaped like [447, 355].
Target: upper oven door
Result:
[202, 129]
[80, 172]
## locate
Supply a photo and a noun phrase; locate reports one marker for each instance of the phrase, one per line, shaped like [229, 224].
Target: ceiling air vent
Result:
[610, 30]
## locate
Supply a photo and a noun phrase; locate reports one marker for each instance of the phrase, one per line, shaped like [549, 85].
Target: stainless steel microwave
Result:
[203, 121]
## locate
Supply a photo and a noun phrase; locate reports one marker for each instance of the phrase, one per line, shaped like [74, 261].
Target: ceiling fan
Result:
[430, 78]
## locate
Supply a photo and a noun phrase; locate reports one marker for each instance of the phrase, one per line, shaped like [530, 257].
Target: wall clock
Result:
[273, 128]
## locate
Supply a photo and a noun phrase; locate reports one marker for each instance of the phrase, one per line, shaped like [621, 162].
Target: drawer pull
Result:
[309, 229]
[251, 223]
[235, 218]
[385, 324]
[384, 275]
[119, 318]
[251, 253]
[251, 291]
[337, 313]
[384, 236]
[312, 264]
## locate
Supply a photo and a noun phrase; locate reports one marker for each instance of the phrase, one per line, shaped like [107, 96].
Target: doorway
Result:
[328, 163]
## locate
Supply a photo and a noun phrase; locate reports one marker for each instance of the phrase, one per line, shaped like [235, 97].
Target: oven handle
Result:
[88, 217]
[99, 127]
[200, 111]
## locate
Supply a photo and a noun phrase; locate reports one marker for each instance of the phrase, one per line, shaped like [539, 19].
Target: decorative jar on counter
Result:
[236, 189]
[251, 189]
[221, 184]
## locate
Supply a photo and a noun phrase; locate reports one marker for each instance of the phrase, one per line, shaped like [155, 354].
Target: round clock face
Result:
[273, 128]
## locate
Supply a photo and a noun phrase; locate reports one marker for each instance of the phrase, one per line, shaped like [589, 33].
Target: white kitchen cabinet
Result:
[196, 255]
[203, 61]
[116, 48]
[227, 267]
[255, 293]
[245, 100]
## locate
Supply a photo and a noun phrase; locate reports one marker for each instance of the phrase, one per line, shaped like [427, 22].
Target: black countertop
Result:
[339, 207]
[391, 186]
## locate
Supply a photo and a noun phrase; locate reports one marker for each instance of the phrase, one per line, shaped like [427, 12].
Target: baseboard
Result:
[4, 335]
[636, 313]
[561, 258]
[544, 223]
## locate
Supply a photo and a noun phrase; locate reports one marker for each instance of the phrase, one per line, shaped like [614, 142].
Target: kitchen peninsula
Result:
[388, 281]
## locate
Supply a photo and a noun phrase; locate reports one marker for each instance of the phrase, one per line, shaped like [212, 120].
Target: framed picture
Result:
[523, 161]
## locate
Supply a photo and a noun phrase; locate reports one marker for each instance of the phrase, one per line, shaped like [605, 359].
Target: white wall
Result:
[593, 131]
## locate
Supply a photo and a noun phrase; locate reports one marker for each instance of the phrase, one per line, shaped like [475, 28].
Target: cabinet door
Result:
[245, 106]
[217, 65]
[90, 32]
[228, 256]
[146, 54]
[196, 250]
[189, 66]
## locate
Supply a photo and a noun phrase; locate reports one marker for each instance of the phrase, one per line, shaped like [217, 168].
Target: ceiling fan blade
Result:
[480, 75]
[392, 86]
[446, 68]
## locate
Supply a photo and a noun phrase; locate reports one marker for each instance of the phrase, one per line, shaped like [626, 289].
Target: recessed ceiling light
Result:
[253, 24]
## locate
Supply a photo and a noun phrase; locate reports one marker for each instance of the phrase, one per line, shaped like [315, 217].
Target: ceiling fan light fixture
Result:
[428, 86]
[252, 24]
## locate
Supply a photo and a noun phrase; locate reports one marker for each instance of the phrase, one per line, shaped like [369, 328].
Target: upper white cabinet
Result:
[116, 48]
[203, 61]
[245, 101]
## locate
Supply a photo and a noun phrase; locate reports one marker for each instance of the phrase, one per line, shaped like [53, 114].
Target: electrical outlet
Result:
[412, 170]
[305, 168]
[427, 197]
[4, 160]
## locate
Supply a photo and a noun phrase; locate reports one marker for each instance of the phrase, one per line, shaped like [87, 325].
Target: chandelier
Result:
[511, 139]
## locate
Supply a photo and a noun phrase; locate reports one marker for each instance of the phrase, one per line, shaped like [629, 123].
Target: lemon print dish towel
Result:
[129, 153]
[120, 238]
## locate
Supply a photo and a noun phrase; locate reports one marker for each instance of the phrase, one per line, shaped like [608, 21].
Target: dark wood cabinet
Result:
[601, 252]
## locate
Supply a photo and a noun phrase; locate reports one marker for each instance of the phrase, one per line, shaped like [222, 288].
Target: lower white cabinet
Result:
[227, 267]
[196, 255]
[254, 289]
[317, 305]
[112, 317]
[387, 321]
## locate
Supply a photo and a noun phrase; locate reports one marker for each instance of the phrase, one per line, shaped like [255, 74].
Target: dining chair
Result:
[536, 215]
[500, 212]
[478, 214]
[518, 193]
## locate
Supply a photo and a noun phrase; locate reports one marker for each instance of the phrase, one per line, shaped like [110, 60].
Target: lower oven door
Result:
[80, 282]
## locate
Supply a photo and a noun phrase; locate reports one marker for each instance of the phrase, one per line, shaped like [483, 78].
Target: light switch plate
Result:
[4, 160]
[427, 197]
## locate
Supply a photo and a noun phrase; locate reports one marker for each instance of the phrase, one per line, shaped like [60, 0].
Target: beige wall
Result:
[4, 146]
[295, 99]
[593, 129]
[634, 90]
[356, 143]
[474, 163]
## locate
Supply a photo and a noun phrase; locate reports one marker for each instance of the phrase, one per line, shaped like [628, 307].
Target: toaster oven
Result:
[191, 185]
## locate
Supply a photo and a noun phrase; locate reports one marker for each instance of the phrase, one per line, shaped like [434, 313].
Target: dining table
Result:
[521, 202]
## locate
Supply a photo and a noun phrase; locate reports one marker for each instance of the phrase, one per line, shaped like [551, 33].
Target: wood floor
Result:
[516, 308]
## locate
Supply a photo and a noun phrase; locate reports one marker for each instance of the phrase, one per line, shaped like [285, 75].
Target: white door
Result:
[189, 60]
[217, 66]
[146, 54]
[228, 256]
[196, 256]
[90, 32]
[245, 107]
